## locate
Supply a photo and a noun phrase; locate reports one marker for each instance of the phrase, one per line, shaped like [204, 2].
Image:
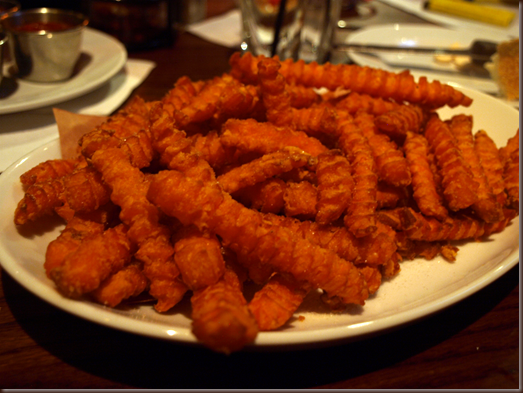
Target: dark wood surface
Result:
[471, 345]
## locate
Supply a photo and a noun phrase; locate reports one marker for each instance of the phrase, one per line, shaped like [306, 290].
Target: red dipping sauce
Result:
[47, 26]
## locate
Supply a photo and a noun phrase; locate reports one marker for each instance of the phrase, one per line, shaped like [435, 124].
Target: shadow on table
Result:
[142, 362]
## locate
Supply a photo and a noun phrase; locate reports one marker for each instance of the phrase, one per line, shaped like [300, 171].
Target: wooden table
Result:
[473, 344]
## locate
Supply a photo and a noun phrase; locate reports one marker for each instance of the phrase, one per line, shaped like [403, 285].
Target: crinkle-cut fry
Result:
[429, 250]
[245, 231]
[354, 102]
[420, 227]
[511, 177]
[131, 120]
[335, 185]
[266, 196]
[48, 170]
[125, 283]
[251, 136]
[397, 122]
[39, 200]
[128, 190]
[460, 189]
[302, 97]
[511, 145]
[373, 278]
[486, 205]
[219, 96]
[267, 166]
[221, 319]
[300, 200]
[313, 120]
[75, 231]
[425, 192]
[198, 256]
[390, 161]
[175, 149]
[388, 196]
[490, 161]
[275, 303]
[181, 94]
[276, 99]
[210, 149]
[360, 217]
[366, 80]
[85, 191]
[93, 261]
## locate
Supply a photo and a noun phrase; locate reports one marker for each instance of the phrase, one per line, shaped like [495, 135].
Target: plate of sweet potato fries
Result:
[279, 204]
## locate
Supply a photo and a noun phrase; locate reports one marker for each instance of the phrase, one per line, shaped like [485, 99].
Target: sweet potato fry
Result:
[221, 319]
[275, 303]
[245, 231]
[486, 206]
[460, 189]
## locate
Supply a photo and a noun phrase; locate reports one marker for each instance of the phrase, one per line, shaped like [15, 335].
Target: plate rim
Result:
[90, 311]
[121, 56]
[361, 59]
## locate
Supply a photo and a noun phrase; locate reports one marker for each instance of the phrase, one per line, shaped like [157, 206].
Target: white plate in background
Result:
[102, 57]
[412, 35]
[421, 288]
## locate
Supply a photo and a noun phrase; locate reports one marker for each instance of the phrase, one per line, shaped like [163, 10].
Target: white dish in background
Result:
[102, 57]
[421, 288]
[412, 35]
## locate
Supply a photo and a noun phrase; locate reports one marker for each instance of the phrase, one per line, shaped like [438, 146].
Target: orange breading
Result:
[275, 303]
[85, 191]
[244, 230]
[251, 136]
[210, 149]
[490, 161]
[198, 256]
[93, 261]
[40, 199]
[221, 319]
[391, 164]
[397, 122]
[511, 177]
[175, 149]
[181, 94]
[47, 170]
[300, 200]
[301, 96]
[373, 278]
[460, 189]
[425, 192]
[132, 120]
[267, 166]
[511, 145]
[388, 196]
[220, 97]
[125, 283]
[354, 102]
[419, 227]
[128, 190]
[75, 231]
[276, 99]
[486, 205]
[399, 87]
[335, 185]
[360, 217]
[266, 196]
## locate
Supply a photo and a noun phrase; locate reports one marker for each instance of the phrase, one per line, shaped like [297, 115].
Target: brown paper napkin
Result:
[71, 127]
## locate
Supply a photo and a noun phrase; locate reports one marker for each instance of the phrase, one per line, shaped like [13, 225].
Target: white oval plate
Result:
[104, 56]
[421, 288]
[412, 35]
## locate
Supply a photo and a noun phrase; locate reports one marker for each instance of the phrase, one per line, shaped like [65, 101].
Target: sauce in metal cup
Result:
[44, 43]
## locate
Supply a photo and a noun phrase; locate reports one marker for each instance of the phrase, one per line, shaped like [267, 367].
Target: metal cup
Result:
[47, 54]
